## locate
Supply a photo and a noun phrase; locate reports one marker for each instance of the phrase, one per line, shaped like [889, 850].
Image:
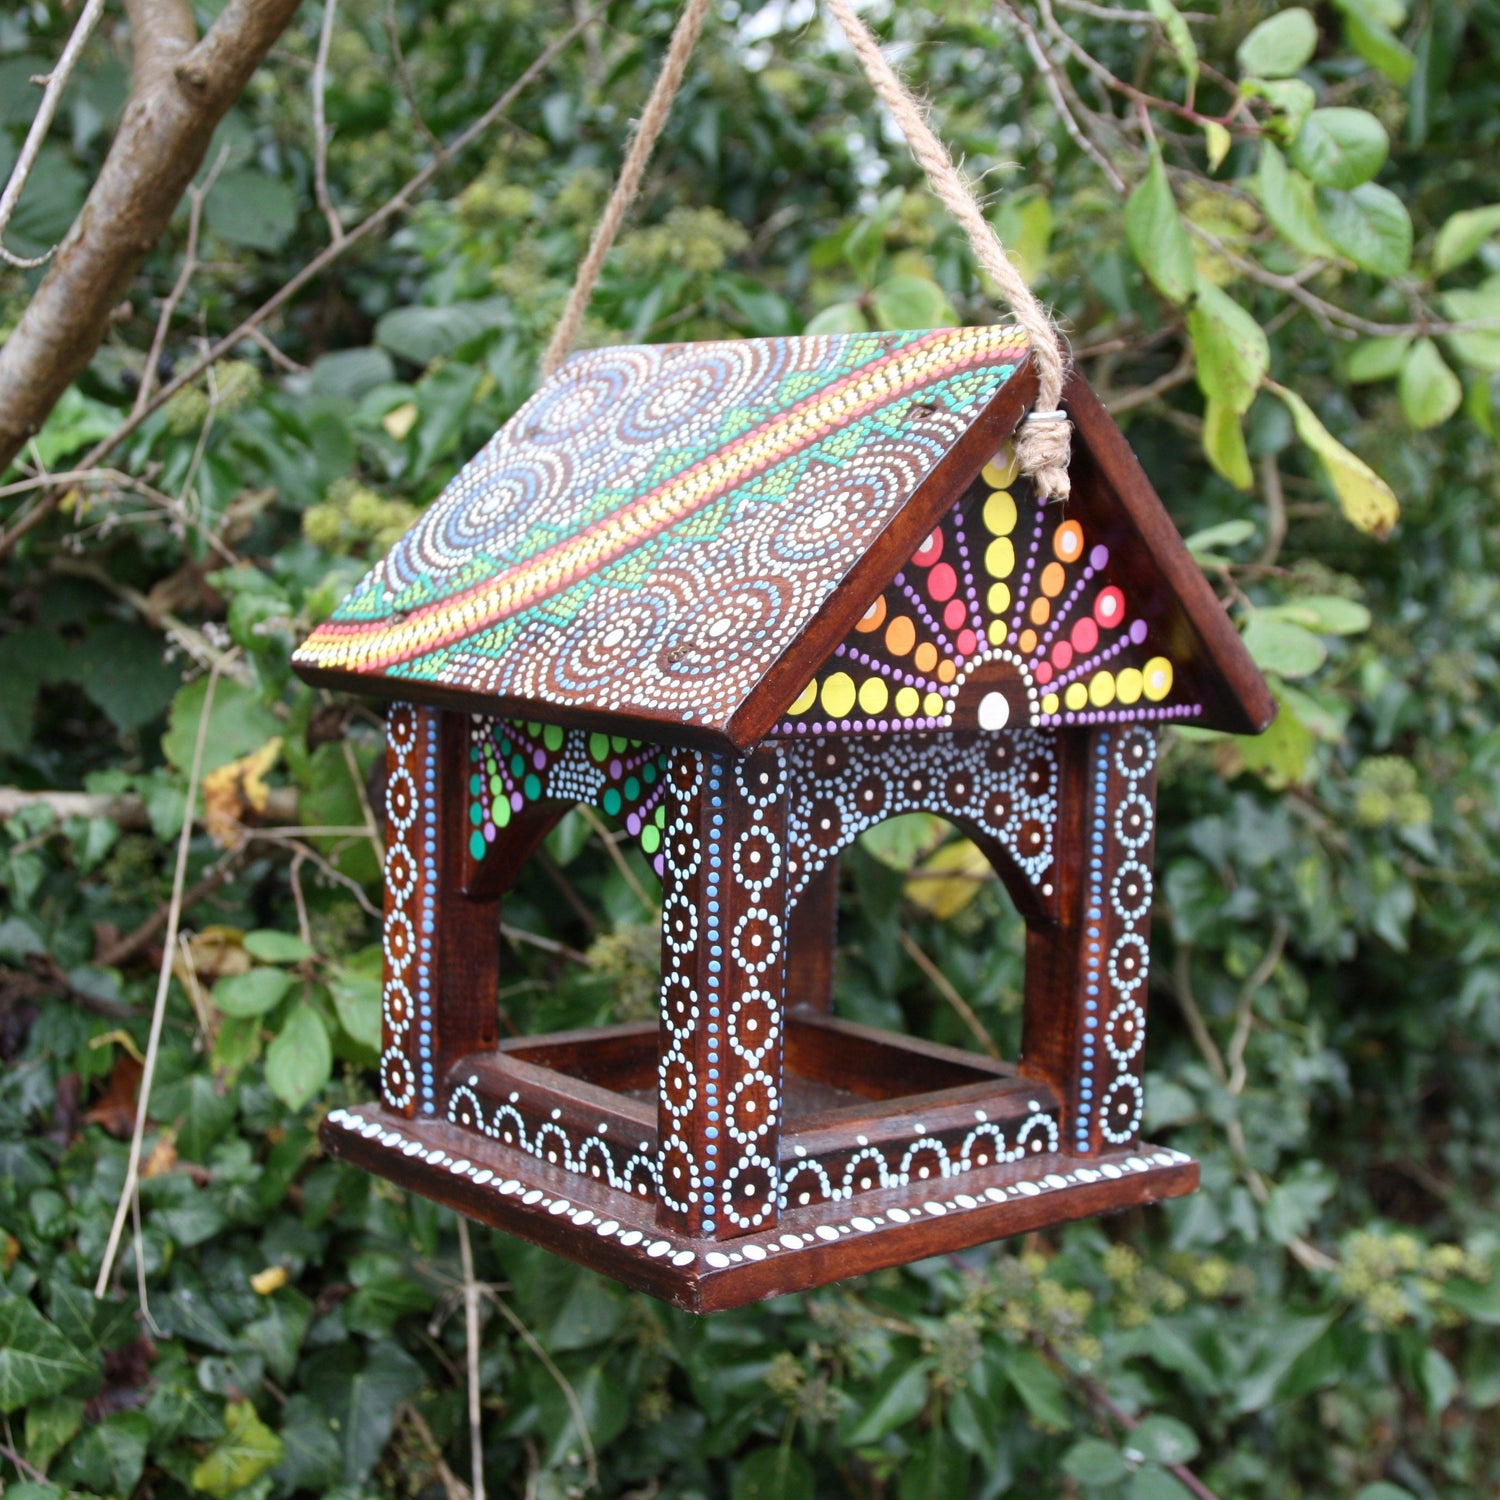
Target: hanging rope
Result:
[1044, 441]
[663, 91]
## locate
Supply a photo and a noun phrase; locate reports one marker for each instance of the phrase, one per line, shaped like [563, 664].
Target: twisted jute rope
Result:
[1044, 440]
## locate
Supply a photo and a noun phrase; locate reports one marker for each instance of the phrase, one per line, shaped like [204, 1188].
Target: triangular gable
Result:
[1010, 612]
[663, 537]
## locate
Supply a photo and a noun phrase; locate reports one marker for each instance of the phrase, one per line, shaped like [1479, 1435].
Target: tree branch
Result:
[181, 88]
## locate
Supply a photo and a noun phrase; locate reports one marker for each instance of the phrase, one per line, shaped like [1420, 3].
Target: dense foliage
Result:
[1285, 205]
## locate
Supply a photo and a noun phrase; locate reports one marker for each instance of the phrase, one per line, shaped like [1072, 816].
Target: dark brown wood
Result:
[874, 1064]
[812, 939]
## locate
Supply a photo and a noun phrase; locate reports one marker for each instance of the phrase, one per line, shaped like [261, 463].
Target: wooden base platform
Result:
[610, 1231]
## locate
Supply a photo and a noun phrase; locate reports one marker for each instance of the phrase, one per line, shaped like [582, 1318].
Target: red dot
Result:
[1085, 636]
[967, 641]
[956, 616]
[1062, 656]
[942, 582]
[1109, 608]
[1043, 672]
[930, 550]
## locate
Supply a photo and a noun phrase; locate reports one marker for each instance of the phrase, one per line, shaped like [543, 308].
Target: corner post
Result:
[723, 1014]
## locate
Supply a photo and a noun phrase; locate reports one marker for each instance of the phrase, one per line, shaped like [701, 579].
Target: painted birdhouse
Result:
[748, 599]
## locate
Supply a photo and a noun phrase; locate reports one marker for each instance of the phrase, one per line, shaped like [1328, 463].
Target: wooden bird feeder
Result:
[748, 598]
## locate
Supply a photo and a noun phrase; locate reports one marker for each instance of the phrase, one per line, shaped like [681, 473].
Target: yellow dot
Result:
[1076, 696]
[1158, 678]
[997, 632]
[1000, 472]
[1041, 611]
[838, 695]
[806, 698]
[874, 695]
[933, 705]
[908, 701]
[1053, 579]
[873, 617]
[1067, 542]
[1102, 689]
[1129, 685]
[900, 636]
[1027, 642]
[1000, 558]
[999, 598]
[926, 657]
[1050, 704]
[946, 671]
[1000, 513]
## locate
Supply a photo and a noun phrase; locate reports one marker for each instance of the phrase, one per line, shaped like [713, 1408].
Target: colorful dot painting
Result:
[512, 766]
[1009, 612]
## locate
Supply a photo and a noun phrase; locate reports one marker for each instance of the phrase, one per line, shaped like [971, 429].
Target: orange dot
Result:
[1067, 541]
[873, 618]
[900, 636]
[1041, 611]
[926, 657]
[1027, 642]
[1053, 579]
[946, 671]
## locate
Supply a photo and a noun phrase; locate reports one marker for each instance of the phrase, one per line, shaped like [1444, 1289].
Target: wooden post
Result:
[723, 1020]
[812, 938]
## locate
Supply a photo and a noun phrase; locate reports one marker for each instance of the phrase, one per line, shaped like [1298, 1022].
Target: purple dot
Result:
[539, 758]
[489, 832]
[659, 864]
[1099, 556]
[615, 768]
[1138, 631]
[633, 824]
[517, 801]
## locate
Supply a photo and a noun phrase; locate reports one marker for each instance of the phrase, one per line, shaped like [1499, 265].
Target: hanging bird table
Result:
[749, 598]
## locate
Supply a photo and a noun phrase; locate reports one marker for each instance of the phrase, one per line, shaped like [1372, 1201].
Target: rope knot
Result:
[1044, 445]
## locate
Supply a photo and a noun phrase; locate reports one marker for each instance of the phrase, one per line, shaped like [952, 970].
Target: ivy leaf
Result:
[238, 724]
[35, 1359]
[299, 1062]
[778, 1473]
[1157, 237]
[1231, 348]
[1340, 147]
[1224, 443]
[1430, 392]
[1369, 225]
[897, 1400]
[1461, 236]
[1287, 198]
[1179, 38]
[252, 994]
[252, 210]
[1376, 359]
[1365, 498]
[247, 1450]
[1280, 45]
[1281, 647]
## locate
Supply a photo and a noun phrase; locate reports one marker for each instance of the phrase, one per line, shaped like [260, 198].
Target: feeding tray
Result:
[748, 599]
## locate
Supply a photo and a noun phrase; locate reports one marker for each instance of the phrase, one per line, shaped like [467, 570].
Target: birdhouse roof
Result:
[668, 540]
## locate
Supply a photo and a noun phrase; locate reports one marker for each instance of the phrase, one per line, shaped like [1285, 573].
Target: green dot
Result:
[632, 789]
[505, 746]
[518, 764]
[659, 817]
[553, 737]
[532, 788]
[476, 844]
[611, 801]
[619, 743]
[648, 772]
[476, 814]
[599, 746]
[501, 813]
[476, 785]
[474, 752]
[533, 727]
[650, 838]
[497, 787]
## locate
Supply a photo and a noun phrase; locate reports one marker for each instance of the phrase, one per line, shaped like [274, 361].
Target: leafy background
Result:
[1286, 258]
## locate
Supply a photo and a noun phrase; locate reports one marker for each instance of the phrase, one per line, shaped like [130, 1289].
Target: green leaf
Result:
[351, 373]
[50, 1423]
[1480, 349]
[239, 723]
[1283, 648]
[1092, 1461]
[1217, 141]
[911, 302]
[1439, 1382]
[1211, 539]
[251, 209]
[107, 1459]
[1224, 444]
[1384, 1490]
[1165, 1439]
[1179, 38]
[1158, 239]
[1364, 497]
[898, 1399]
[1024, 223]
[1293, 100]
[1330, 614]
[938, 1470]
[1461, 236]
[247, 1450]
[252, 994]
[423, 334]
[121, 668]
[1280, 755]
[1231, 348]
[1377, 359]
[1478, 1301]
[779, 1473]
[1151, 1483]
[1340, 147]
[35, 1359]
[74, 423]
[299, 1062]
[1287, 198]
[1296, 1201]
[1369, 225]
[356, 998]
[1377, 43]
[273, 947]
[1280, 45]
[1430, 392]
[444, 396]
[1041, 1392]
[841, 317]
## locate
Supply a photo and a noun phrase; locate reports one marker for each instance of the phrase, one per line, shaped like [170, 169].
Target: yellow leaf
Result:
[1364, 497]
[1219, 141]
[163, 1156]
[400, 420]
[234, 789]
[272, 1279]
[948, 879]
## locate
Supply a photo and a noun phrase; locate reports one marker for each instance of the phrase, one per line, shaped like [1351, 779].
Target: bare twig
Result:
[944, 986]
[56, 81]
[471, 1342]
[1275, 498]
[127, 809]
[372, 823]
[453, 1487]
[320, 124]
[596, 826]
[159, 1009]
[403, 77]
[122, 950]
